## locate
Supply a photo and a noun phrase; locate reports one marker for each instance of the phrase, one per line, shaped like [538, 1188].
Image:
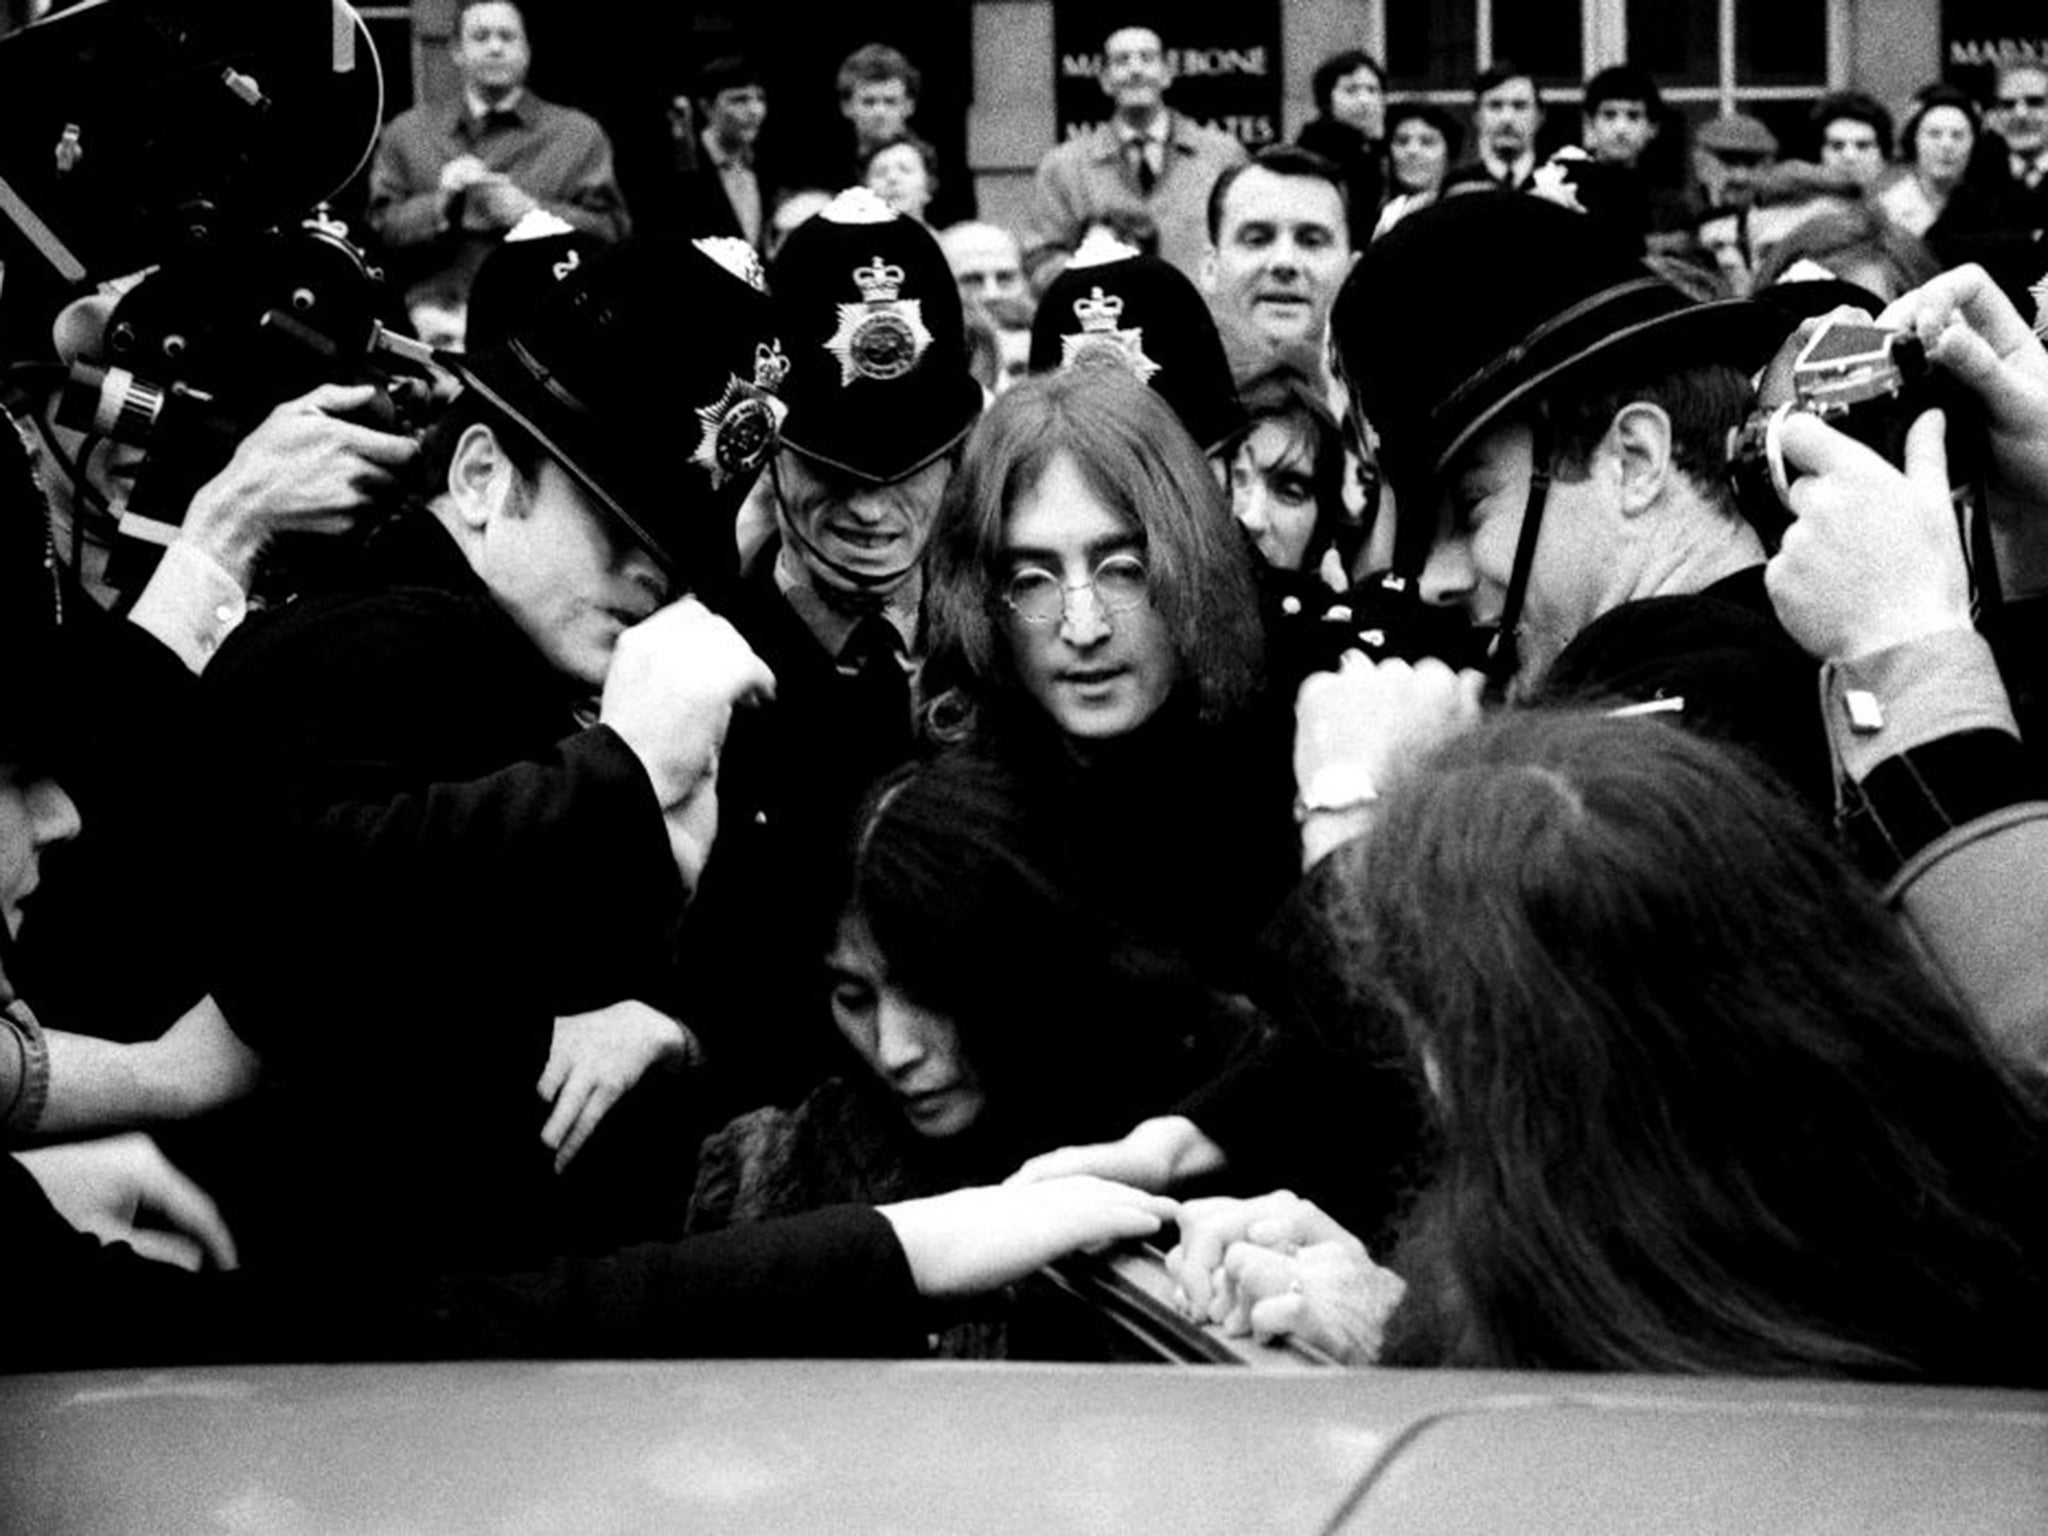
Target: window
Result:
[1770, 58]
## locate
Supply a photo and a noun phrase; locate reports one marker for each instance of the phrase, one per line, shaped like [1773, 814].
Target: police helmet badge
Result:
[1101, 338]
[883, 336]
[743, 425]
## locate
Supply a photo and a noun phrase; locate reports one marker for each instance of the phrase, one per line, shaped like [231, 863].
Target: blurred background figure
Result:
[1728, 155]
[1423, 143]
[1853, 242]
[1854, 136]
[985, 260]
[717, 183]
[1935, 148]
[879, 88]
[452, 178]
[1146, 160]
[1507, 114]
[903, 172]
[999, 341]
[1350, 131]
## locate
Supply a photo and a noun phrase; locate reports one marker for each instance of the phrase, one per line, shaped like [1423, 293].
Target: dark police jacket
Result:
[426, 860]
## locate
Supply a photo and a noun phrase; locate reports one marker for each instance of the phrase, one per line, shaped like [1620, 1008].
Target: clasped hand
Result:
[1279, 1267]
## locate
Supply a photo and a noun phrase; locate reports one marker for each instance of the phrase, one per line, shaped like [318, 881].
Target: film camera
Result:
[1871, 383]
[164, 170]
[1383, 616]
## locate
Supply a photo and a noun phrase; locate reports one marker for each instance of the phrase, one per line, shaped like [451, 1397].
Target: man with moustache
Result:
[1507, 111]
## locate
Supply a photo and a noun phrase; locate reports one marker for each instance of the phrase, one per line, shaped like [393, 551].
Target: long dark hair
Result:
[1284, 391]
[1700, 1108]
[1138, 458]
[1075, 1028]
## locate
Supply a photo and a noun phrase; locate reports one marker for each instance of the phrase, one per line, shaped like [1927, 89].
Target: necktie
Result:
[1141, 162]
[873, 654]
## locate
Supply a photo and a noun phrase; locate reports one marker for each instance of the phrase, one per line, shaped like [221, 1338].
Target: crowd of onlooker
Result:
[827, 762]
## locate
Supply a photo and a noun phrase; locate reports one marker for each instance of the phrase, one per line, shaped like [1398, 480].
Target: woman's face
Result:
[1104, 662]
[1420, 156]
[1942, 146]
[898, 176]
[912, 1049]
[1359, 100]
[34, 813]
[1273, 492]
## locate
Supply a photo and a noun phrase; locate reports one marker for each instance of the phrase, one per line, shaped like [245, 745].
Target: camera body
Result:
[192, 357]
[1867, 381]
[1382, 616]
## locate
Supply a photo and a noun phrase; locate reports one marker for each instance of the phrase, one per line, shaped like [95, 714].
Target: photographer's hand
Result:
[1873, 557]
[304, 469]
[1375, 719]
[1971, 329]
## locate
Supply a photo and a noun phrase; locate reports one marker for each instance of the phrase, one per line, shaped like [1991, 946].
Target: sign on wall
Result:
[1978, 35]
[1226, 63]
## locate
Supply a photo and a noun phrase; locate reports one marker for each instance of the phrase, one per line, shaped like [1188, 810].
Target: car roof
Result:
[931, 1446]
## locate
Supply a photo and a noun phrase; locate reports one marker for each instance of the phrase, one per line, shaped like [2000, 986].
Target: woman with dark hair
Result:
[904, 173]
[1423, 143]
[1952, 186]
[1954, 189]
[1095, 607]
[1698, 1107]
[1287, 476]
[987, 1011]
[1287, 493]
[1349, 130]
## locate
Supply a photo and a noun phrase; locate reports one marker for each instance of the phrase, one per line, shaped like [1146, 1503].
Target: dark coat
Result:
[832, 1282]
[109, 946]
[689, 201]
[1363, 165]
[428, 860]
[1742, 677]
[791, 778]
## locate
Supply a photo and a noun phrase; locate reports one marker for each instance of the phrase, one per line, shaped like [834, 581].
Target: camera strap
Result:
[1502, 657]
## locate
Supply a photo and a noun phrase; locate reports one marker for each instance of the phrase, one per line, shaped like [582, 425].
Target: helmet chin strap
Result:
[1503, 658]
[869, 583]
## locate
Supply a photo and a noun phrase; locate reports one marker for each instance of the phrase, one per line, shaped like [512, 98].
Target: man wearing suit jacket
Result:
[1507, 112]
[1146, 165]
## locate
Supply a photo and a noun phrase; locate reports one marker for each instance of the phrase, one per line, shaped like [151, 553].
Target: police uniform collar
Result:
[832, 625]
